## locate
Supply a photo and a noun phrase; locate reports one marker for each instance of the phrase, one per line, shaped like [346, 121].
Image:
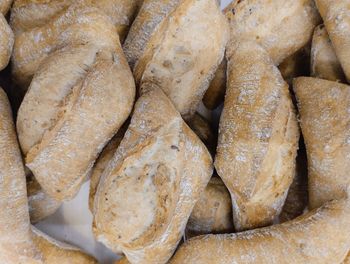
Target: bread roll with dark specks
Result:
[258, 137]
[324, 109]
[336, 17]
[212, 214]
[324, 61]
[174, 56]
[77, 108]
[149, 188]
[319, 237]
[20, 242]
[266, 22]
[6, 39]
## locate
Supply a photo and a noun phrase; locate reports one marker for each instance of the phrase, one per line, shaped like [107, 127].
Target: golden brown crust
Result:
[324, 119]
[336, 18]
[258, 137]
[324, 61]
[150, 186]
[319, 237]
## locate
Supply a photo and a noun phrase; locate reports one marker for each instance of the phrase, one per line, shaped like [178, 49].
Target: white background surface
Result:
[72, 222]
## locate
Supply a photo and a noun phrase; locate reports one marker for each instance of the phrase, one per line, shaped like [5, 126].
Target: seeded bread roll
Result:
[324, 61]
[336, 18]
[7, 38]
[149, 188]
[258, 137]
[319, 237]
[324, 119]
[173, 58]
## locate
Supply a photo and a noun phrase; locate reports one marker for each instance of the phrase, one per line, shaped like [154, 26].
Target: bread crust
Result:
[7, 38]
[324, 119]
[336, 18]
[313, 238]
[147, 192]
[258, 137]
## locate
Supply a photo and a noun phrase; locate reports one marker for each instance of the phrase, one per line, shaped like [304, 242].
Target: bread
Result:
[212, 214]
[173, 58]
[71, 83]
[282, 27]
[319, 237]
[84, 22]
[7, 39]
[324, 61]
[258, 137]
[324, 117]
[336, 19]
[147, 192]
[19, 243]
[102, 162]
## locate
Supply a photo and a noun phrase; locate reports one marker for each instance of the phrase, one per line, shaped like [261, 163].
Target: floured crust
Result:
[319, 237]
[6, 35]
[150, 186]
[174, 57]
[336, 17]
[266, 22]
[258, 137]
[324, 118]
[212, 214]
[324, 61]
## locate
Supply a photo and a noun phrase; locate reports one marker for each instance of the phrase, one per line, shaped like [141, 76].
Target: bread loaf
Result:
[149, 188]
[7, 38]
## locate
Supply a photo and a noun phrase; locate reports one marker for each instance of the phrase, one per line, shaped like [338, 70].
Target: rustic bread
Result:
[7, 38]
[258, 137]
[149, 188]
[319, 237]
[324, 119]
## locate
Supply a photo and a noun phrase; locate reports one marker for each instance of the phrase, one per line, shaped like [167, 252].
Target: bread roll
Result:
[86, 110]
[324, 108]
[336, 17]
[149, 188]
[258, 137]
[319, 237]
[174, 56]
[19, 244]
[324, 61]
[282, 27]
[212, 214]
[7, 39]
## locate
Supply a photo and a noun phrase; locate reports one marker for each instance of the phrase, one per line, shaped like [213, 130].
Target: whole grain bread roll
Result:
[319, 237]
[20, 242]
[212, 214]
[149, 188]
[336, 18]
[7, 38]
[258, 137]
[174, 57]
[324, 61]
[324, 119]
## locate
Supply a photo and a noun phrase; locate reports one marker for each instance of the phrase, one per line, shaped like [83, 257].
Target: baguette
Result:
[319, 237]
[324, 61]
[336, 19]
[258, 137]
[324, 119]
[149, 188]
[173, 58]
[7, 38]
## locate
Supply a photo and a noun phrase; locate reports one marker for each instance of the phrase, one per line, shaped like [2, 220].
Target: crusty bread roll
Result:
[324, 119]
[6, 39]
[76, 112]
[18, 244]
[336, 18]
[174, 56]
[258, 137]
[319, 237]
[212, 214]
[266, 22]
[149, 188]
[324, 61]
[84, 22]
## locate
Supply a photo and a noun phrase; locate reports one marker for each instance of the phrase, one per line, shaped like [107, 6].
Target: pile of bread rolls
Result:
[113, 91]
